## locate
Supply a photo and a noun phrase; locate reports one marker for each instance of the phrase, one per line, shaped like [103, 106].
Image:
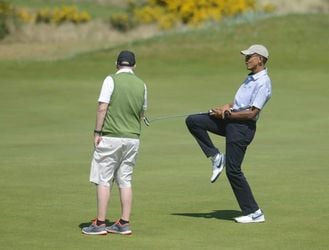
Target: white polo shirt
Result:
[255, 91]
[108, 86]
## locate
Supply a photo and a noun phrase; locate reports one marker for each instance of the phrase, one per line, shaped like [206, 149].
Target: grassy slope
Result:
[47, 115]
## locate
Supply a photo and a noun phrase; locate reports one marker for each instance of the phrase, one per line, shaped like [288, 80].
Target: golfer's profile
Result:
[236, 122]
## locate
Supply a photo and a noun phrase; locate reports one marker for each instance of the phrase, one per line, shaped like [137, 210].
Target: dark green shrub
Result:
[122, 22]
[5, 12]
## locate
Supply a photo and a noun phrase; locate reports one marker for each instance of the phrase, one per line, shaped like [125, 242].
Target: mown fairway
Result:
[47, 118]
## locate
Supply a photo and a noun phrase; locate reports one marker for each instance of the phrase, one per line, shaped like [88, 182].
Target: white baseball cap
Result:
[256, 49]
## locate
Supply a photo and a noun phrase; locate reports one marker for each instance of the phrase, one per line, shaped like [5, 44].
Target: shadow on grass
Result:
[216, 214]
[86, 224]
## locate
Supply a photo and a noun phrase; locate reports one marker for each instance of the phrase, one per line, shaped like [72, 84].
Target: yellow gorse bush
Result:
[12, 16]
[62, 14]
[56, 15]
[167, 13]
[25, 15]
[269, 8]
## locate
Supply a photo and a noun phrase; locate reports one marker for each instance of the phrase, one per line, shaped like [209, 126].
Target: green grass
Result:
[47, 117]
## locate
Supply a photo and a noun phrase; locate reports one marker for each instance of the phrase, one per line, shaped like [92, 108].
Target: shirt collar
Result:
[125, 70]
[256, 76]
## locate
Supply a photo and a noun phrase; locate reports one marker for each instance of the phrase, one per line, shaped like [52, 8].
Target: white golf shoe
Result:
[218, 164]
[255, 217]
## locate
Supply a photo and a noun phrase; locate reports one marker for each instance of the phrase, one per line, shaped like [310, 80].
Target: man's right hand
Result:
[97, 139]
[216, 112]
[221, 112]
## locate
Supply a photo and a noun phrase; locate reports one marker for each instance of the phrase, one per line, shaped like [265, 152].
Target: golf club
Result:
[148, 121]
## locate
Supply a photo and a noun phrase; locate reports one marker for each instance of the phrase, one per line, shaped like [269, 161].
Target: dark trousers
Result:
[238, 136]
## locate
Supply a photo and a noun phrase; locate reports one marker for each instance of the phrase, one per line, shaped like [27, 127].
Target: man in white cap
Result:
[237, 122]
[121, 105]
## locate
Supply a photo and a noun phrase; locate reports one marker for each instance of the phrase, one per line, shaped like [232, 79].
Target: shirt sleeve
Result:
[262, 96]
[107, 90]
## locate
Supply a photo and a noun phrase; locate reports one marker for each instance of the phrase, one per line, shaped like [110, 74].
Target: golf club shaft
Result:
[176, 116]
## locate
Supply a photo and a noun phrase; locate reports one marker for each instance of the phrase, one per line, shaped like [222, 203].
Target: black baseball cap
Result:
[126, 58]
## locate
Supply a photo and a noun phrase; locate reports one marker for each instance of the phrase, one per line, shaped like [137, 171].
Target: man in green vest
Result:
[121, 106]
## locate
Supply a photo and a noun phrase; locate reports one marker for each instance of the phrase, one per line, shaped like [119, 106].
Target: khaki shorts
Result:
[114, 159]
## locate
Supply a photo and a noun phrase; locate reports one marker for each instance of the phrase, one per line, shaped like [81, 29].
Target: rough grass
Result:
[48, 42]
[47, 117]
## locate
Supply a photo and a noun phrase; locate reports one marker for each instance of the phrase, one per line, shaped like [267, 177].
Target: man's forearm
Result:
[244, 114]
[100, 116]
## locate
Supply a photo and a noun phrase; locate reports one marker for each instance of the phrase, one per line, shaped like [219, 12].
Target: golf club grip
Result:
[227, 114]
